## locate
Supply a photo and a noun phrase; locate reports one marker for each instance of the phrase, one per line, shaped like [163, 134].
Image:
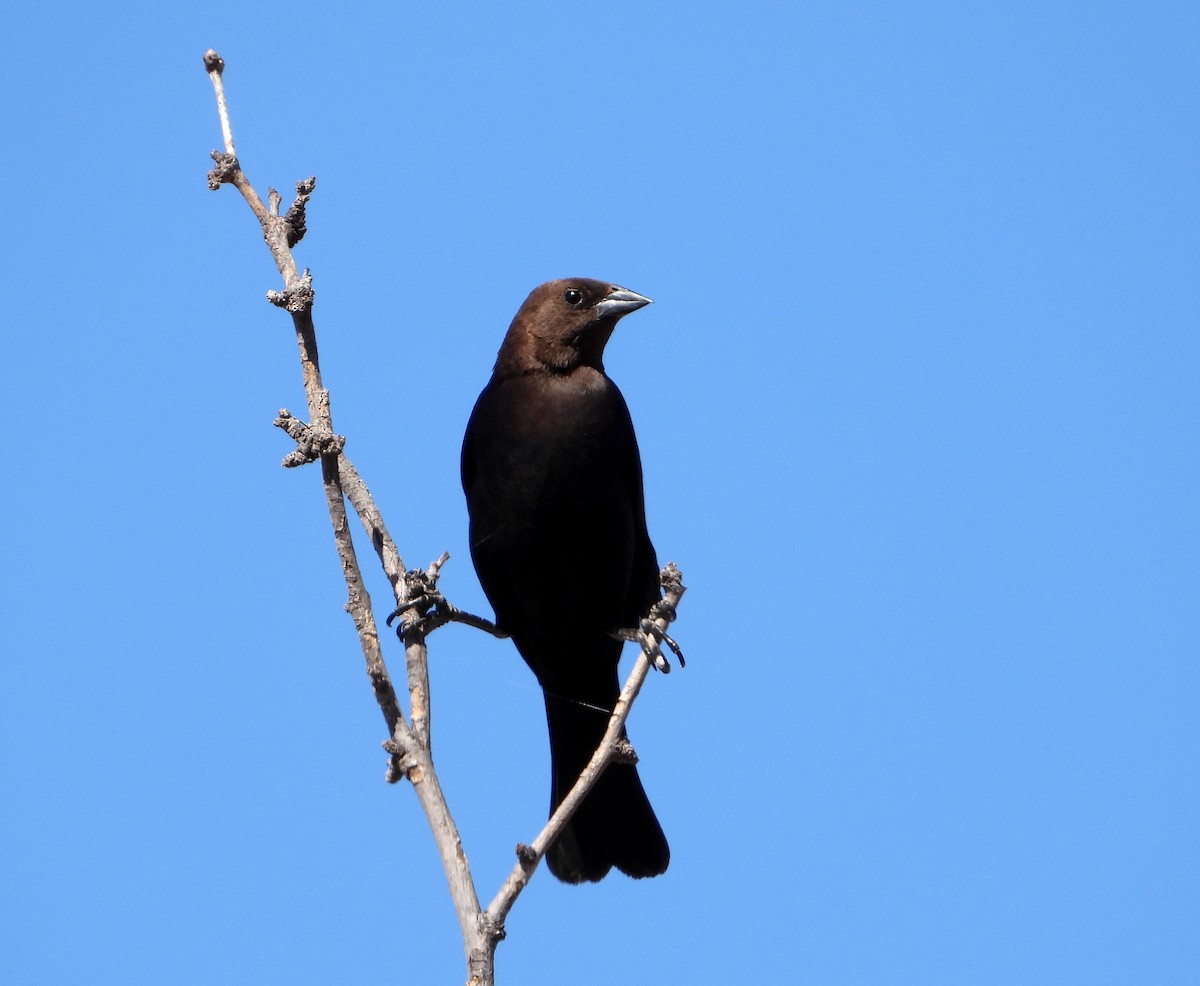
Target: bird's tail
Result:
[615, 825]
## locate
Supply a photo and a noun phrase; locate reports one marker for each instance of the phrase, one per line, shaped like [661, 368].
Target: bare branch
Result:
[214, 64]
[372, 521]
[612, 747]
[310, 443]
[409, 747]
[417, 764]
[297, 299]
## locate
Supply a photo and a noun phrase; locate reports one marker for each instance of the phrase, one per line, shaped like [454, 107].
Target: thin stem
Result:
[215, 65]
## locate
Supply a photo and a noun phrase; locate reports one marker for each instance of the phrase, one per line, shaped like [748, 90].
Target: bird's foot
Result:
[419, 615]
[652, 637]
[651, 632]
[424, 608]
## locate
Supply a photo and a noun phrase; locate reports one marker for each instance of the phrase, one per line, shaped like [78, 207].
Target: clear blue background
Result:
[918, 408]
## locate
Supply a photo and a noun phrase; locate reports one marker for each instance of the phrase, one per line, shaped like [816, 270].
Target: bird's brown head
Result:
[564, 324]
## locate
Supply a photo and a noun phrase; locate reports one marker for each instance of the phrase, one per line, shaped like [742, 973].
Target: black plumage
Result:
[553, 479]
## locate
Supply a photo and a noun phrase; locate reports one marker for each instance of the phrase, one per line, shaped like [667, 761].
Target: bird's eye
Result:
[573, 297]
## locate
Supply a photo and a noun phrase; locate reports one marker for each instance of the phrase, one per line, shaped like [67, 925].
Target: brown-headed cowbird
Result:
[553, 479]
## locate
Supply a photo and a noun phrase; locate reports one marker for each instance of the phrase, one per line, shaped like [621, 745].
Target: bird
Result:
[553, 482]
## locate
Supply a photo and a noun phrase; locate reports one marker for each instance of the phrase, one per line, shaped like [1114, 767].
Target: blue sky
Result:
[918, 409]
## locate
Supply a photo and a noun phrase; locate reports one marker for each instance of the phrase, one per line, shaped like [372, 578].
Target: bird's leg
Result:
[424, 608]
[651, 632]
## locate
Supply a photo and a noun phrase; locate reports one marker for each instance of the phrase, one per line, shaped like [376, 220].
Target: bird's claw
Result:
[652, 637]
[424, 609]
[420, 615]
[651, 633]
[675, 648]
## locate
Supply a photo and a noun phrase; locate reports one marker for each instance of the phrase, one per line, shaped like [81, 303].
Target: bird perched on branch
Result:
[553, 479]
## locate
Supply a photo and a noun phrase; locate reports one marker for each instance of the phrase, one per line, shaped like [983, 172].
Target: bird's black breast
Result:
[553, 482]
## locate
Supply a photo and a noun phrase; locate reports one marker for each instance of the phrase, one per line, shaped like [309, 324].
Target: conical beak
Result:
[620, 301]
